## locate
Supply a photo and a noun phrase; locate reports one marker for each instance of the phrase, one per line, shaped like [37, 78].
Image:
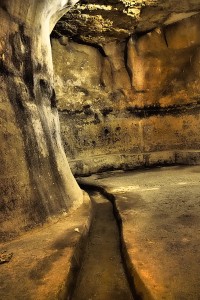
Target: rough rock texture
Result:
[35, 180]
[133, 92]
[102, 21]
[129, 97]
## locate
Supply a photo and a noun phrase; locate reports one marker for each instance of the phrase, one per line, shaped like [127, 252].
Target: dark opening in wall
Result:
[106, 131]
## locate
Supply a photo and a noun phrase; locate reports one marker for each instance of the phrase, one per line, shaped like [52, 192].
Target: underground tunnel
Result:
[99, 149]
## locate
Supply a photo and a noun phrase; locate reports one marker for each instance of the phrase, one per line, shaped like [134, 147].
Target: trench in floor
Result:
[102, 275]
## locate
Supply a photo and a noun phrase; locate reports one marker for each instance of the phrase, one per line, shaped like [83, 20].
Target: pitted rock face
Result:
[104, 21]
[136, 95]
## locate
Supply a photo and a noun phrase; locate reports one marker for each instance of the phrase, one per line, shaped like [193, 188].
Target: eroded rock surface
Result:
[35, 181]
[130, 86]
[103, 21]
[128, 97]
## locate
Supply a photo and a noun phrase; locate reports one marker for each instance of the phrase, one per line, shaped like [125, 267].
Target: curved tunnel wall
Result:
[104, 112]
[35, 180]
[136, 105]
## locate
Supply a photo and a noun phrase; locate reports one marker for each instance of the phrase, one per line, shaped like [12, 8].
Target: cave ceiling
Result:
[99, 22]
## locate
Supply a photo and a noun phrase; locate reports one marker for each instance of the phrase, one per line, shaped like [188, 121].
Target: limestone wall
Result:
[129, 98]
[35, 179]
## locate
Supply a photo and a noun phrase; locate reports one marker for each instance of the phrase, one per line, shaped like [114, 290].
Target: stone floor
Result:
[160, 212]
[43, 260]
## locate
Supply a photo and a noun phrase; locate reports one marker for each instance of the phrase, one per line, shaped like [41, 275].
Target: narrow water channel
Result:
[102, 276]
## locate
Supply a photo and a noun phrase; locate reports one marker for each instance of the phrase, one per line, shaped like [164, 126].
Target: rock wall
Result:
[122, 103]
[35, 180]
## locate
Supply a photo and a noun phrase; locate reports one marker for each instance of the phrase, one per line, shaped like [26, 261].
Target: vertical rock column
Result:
[35, 179]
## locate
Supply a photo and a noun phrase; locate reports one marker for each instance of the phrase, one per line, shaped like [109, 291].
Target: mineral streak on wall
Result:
[122, 99]
[35, 180]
